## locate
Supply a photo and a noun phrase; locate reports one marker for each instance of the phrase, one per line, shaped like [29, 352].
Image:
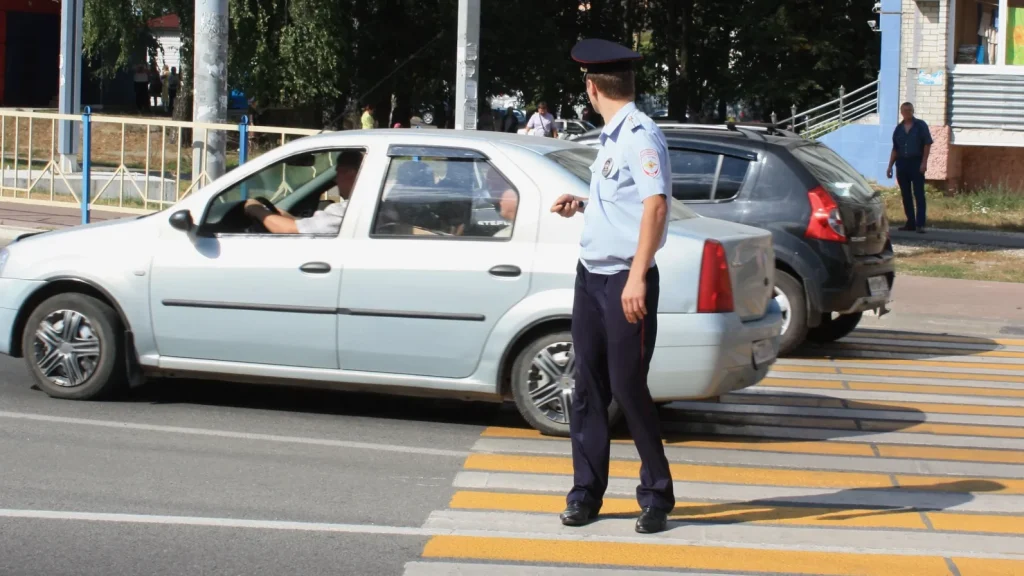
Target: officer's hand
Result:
[888, 173]
[566, 205]
[634, 298]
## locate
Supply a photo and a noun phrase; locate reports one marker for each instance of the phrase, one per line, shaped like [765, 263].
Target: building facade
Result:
[964, 70]
[961, 63]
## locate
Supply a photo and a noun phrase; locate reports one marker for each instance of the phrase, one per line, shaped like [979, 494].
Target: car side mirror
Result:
[182, 220]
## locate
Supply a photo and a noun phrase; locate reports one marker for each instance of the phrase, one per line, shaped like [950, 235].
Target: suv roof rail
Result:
[749, 129]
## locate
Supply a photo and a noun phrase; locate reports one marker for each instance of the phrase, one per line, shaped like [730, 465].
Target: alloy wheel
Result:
[551, 381]
[784, 306]
[66, 348]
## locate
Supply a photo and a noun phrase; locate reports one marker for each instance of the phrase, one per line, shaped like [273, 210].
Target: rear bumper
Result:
[707, 355]
[855, 295]
[13, 294]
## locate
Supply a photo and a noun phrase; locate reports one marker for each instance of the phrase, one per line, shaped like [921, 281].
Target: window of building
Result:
[431, 195]
[988, 32]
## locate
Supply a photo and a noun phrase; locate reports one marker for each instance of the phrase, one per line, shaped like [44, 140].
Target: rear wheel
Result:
[73, 348]
[543, 378]
[789, 294]
[832, 329]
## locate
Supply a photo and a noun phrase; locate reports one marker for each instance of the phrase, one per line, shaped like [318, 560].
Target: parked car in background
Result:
[834, 259]
[449, 277]
[571, 128]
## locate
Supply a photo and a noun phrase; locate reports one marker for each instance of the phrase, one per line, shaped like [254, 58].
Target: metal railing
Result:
[121, 162]
[850, 107]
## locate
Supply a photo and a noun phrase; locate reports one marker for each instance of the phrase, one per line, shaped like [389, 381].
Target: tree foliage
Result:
[700, 56]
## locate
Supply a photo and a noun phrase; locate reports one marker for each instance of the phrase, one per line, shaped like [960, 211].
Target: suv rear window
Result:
[834, 173]
[578, 160]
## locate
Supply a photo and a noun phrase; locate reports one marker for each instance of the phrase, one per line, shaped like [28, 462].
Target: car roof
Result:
[438, 137]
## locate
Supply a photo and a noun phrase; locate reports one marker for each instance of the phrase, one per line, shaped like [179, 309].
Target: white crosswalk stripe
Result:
[886, 453]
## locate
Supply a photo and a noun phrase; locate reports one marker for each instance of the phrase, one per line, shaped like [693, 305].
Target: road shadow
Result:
[287, 398]
[881, 344]
[838, 507]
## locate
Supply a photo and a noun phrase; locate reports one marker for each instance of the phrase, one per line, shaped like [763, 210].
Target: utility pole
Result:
[70, 66]
[210, 88]
[467, 65]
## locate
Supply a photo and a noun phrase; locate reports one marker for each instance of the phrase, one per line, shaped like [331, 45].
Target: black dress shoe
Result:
[578, 514]
[651, 521]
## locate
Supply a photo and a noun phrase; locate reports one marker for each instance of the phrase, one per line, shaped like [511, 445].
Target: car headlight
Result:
[4, 254]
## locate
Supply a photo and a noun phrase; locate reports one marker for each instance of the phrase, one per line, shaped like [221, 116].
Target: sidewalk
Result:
[18, 217]
[974, 237]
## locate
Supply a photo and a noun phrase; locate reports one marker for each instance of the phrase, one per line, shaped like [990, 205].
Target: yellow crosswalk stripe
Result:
[692, 557]
[783, 368]
[751, 475]
[1014, 367]
[757, 513]
[821, 448]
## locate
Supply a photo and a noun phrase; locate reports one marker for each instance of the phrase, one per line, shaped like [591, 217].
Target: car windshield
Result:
[578, 161]
[834, 173]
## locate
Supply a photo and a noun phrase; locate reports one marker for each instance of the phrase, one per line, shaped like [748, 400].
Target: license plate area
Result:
[878, 285]
[763, 353]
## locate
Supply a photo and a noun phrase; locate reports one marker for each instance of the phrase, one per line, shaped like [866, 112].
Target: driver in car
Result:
[327, 221]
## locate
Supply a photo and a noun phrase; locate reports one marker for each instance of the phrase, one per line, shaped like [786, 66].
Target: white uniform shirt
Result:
[324, 222]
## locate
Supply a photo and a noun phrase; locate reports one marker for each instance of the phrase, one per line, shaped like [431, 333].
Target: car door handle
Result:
[316, 267]
[506, 270]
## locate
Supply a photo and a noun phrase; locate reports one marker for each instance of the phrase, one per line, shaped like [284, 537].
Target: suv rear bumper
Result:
[856, 295]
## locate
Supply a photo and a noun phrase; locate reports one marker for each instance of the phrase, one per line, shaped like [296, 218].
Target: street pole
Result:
[467, 65]
[70, 67]
[210, 82]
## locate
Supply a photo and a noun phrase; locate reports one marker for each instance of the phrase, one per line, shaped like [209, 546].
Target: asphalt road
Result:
[347, 460]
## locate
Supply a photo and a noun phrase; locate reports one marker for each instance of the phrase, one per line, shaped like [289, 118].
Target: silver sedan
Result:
[446, 275]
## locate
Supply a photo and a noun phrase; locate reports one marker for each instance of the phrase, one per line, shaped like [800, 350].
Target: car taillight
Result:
[826, 223]
[715, 291]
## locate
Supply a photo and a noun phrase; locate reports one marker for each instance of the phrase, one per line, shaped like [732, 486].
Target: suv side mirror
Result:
[182, 220]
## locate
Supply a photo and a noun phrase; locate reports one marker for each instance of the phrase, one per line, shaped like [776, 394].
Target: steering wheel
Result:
[267, 204]
[255, 226]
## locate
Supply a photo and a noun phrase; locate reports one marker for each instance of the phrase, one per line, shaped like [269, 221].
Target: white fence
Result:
[143, 163]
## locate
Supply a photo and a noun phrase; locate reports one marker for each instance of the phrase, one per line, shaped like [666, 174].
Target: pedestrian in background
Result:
[367, 121]
[155, 87]
[542, 123]
[165, 75]
[911, 145]
[510, 123]
[172, 88]
[141, 81]
[615, 303]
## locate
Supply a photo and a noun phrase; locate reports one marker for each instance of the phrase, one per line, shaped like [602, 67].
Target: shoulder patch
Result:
[650, 162]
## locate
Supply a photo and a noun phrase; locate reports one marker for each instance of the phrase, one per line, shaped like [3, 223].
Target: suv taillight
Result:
[715, 291]
[826, 222]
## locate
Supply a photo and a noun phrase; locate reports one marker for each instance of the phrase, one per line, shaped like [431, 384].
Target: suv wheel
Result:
[789, 294]
[543, 381]
[832, 329]
[73, 349]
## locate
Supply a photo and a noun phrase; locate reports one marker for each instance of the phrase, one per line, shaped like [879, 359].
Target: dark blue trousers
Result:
[911, 181]
[612, 360]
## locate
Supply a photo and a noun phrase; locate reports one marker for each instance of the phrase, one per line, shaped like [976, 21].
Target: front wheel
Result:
[832, 329]
[543, 381]
[73, 348]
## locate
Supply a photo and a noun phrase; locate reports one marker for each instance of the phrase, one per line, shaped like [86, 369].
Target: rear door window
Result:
[833, 173]
[699, 176]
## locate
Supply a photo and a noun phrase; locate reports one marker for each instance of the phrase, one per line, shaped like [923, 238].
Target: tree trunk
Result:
[680, 14]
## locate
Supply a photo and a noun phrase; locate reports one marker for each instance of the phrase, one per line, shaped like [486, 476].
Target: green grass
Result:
[983, 209]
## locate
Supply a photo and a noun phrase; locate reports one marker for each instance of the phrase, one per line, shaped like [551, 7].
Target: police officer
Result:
[615, 308]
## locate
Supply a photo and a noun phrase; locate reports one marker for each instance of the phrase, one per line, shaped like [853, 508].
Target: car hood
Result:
[38, 255]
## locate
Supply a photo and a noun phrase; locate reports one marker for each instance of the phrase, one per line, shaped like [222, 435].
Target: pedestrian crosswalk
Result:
[887, 453]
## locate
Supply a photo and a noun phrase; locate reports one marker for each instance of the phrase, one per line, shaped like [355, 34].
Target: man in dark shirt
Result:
[911, 144]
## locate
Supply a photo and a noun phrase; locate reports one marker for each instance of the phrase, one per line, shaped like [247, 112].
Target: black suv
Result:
[834, 259]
